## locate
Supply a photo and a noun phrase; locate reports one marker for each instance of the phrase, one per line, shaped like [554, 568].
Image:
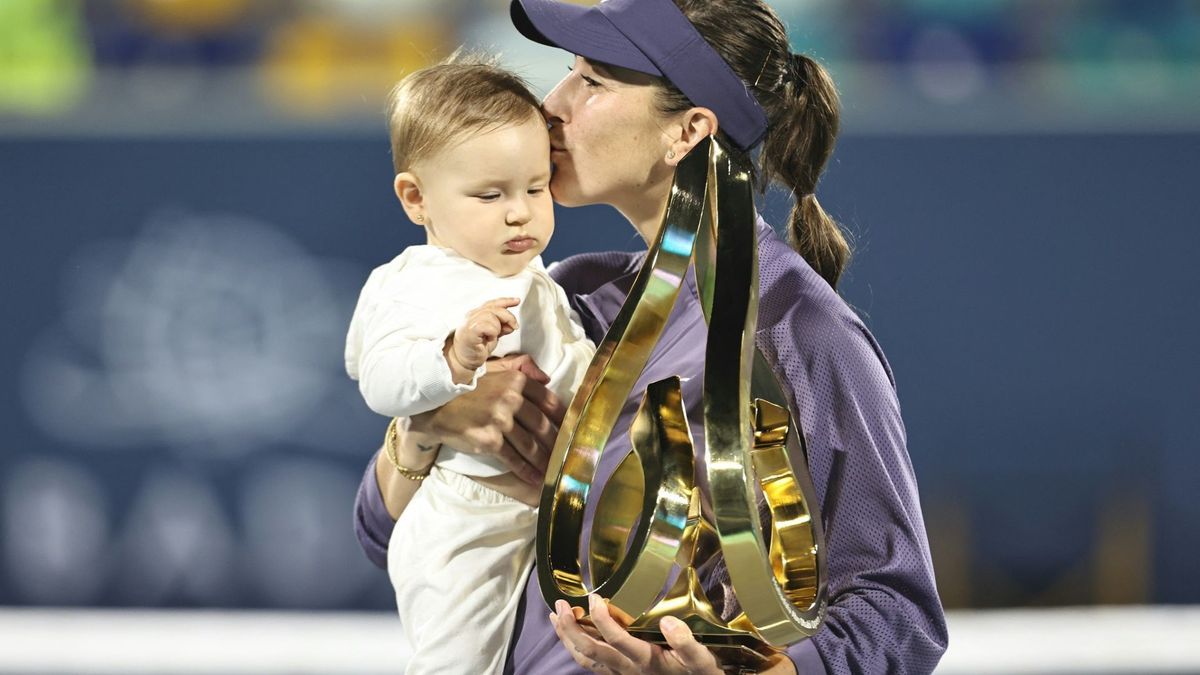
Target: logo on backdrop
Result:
[210, 334]
[204, 337]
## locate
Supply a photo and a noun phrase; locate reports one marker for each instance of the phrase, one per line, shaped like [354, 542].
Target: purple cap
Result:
[653, 37]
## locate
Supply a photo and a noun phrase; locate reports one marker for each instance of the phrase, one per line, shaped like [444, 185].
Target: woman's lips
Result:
[520, 244]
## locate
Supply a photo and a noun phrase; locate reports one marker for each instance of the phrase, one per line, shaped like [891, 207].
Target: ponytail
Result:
[801, 138]
[802, 115]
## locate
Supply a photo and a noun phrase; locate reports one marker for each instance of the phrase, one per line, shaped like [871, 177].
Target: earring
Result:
[670, 154]
[419, 218]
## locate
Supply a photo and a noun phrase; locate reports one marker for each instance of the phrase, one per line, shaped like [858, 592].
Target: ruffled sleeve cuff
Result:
[808, 661]
[434, 382]
[372, 522]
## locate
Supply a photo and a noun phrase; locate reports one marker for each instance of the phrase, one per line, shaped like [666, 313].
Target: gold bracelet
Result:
[389, 449]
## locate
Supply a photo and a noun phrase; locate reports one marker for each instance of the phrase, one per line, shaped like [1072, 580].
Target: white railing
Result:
[1111, 640]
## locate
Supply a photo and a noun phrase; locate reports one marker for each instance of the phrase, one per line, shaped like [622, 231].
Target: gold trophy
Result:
[653, 525]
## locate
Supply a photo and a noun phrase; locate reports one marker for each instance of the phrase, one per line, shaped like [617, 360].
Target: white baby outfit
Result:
[460, 553]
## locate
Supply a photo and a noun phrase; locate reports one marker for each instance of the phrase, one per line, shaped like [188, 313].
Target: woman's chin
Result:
[566, 192]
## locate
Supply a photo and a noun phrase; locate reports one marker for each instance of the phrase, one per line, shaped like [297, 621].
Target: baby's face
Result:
[488, 197]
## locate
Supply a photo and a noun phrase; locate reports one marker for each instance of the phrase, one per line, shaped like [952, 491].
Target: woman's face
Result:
[607, 139]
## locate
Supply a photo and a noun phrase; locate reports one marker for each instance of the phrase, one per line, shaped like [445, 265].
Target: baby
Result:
[472, 160]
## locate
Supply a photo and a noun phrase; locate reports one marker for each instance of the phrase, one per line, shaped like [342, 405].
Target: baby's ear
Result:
[408, 191]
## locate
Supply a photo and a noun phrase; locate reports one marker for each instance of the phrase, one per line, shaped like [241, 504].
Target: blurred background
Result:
[192, 193]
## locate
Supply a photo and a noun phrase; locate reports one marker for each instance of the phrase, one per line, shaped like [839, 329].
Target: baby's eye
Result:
[537, 190]
[488, 196]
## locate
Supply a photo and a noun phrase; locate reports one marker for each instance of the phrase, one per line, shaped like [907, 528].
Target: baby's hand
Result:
[475, 340]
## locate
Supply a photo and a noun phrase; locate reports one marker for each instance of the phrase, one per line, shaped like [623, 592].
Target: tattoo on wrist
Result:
[428, 448]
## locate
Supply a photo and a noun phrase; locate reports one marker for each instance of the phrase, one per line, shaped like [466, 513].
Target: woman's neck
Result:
[646, 211]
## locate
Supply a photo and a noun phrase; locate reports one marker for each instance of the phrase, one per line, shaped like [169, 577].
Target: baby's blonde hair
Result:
[466, 94]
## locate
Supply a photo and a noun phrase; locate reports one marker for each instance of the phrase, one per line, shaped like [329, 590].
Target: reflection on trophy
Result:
[654, 525]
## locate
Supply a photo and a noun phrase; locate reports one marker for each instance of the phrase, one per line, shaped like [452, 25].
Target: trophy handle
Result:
[767, 582]
[619, 360]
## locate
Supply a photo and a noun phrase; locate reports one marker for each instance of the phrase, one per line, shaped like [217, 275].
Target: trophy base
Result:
[735, 653]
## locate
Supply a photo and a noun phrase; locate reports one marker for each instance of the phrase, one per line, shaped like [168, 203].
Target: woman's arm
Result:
[400, 475]
[510, 415]
[884, 614]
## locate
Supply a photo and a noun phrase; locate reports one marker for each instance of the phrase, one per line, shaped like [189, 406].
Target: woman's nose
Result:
[554, 105]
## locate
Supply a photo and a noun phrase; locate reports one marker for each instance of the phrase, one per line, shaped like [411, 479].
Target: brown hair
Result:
[465, 94]
[802, 112]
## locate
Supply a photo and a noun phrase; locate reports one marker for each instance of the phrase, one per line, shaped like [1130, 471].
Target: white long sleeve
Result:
[403, 369]
[394, 347]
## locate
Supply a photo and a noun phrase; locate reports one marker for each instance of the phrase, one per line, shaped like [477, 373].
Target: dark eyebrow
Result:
[600, 68]
[618, 73]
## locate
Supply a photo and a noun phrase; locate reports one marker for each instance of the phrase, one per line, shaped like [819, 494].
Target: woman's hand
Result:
[609, 648]
[510, 415]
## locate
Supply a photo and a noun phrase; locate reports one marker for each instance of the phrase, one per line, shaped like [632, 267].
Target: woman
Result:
[650, 79]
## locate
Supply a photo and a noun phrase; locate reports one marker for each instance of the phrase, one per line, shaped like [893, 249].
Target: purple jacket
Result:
[884, 613]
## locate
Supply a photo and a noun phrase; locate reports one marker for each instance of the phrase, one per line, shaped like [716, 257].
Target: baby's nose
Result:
[519, 213]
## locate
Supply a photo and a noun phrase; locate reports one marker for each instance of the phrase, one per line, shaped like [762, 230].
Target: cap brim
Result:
[580, 30]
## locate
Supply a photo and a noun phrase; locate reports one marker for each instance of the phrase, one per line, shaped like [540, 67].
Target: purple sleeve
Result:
[884, 614]
[372, 522]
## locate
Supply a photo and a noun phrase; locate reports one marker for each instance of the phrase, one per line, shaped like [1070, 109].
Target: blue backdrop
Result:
[179, 430]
